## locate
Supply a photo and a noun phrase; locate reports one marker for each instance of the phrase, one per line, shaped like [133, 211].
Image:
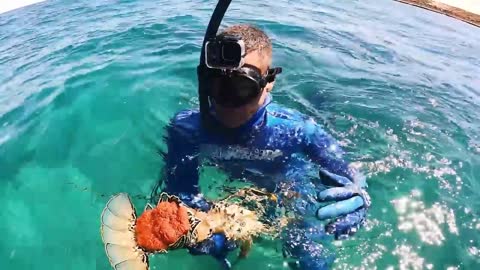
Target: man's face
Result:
[235, 117]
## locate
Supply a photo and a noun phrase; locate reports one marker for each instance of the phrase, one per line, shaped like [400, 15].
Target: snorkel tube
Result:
[212, 29]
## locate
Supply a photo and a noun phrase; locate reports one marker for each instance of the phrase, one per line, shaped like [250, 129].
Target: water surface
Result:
[87, 87]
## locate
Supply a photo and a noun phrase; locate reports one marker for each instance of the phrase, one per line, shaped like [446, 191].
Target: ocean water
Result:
[87, 88]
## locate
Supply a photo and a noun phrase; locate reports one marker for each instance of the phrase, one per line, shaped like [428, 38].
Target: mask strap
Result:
[272, 73]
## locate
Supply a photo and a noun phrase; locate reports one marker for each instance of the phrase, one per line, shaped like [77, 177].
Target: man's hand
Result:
[216, 246]
[349, 207]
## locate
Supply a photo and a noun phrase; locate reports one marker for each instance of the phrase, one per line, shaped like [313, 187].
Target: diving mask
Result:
[237, 87]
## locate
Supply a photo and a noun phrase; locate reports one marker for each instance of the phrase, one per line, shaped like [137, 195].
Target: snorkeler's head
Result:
[233, 109]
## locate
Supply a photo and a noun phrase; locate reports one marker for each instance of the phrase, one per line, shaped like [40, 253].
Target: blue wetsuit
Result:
[276, 147]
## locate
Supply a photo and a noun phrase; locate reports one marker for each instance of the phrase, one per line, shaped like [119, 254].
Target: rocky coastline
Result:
[439, 7]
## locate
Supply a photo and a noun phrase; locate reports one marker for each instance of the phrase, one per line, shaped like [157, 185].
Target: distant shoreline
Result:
[454, 12]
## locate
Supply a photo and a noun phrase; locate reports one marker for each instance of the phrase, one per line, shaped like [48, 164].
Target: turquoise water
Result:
[87, 88]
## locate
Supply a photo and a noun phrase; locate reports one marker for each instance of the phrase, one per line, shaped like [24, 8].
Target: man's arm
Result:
[182, 164]
[345, 186]
[324, 150]
[181, 161]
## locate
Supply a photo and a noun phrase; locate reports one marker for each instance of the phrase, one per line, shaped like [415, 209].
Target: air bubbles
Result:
[445, 161]
[474, 251]
[416, 193]
[12, 254]
[428, 156]
[474, 146]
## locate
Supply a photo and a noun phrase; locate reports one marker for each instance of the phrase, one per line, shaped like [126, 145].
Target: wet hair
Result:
[255, 39]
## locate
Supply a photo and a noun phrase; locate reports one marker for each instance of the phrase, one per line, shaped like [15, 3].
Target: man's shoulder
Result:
[186, 120]
[186, 115]
[286, 117]
[284, 114]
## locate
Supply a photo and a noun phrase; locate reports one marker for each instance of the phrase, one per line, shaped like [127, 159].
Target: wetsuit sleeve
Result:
[181, 161]
[324, 150]
[304, 238]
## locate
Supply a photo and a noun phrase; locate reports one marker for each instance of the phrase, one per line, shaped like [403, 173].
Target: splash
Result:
[474, 251]
[413, 215]
[438, 169]
[409, 259]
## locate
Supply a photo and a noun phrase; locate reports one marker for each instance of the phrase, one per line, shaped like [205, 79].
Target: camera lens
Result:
[231, 52]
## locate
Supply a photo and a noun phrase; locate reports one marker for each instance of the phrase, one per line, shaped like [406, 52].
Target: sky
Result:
[469, 5]
[7, 5]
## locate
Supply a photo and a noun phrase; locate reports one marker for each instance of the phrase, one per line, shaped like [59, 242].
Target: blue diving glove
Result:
[217, 246]
[350, 203]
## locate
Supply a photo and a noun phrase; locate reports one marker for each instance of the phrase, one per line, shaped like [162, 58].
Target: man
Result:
[272, 147]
